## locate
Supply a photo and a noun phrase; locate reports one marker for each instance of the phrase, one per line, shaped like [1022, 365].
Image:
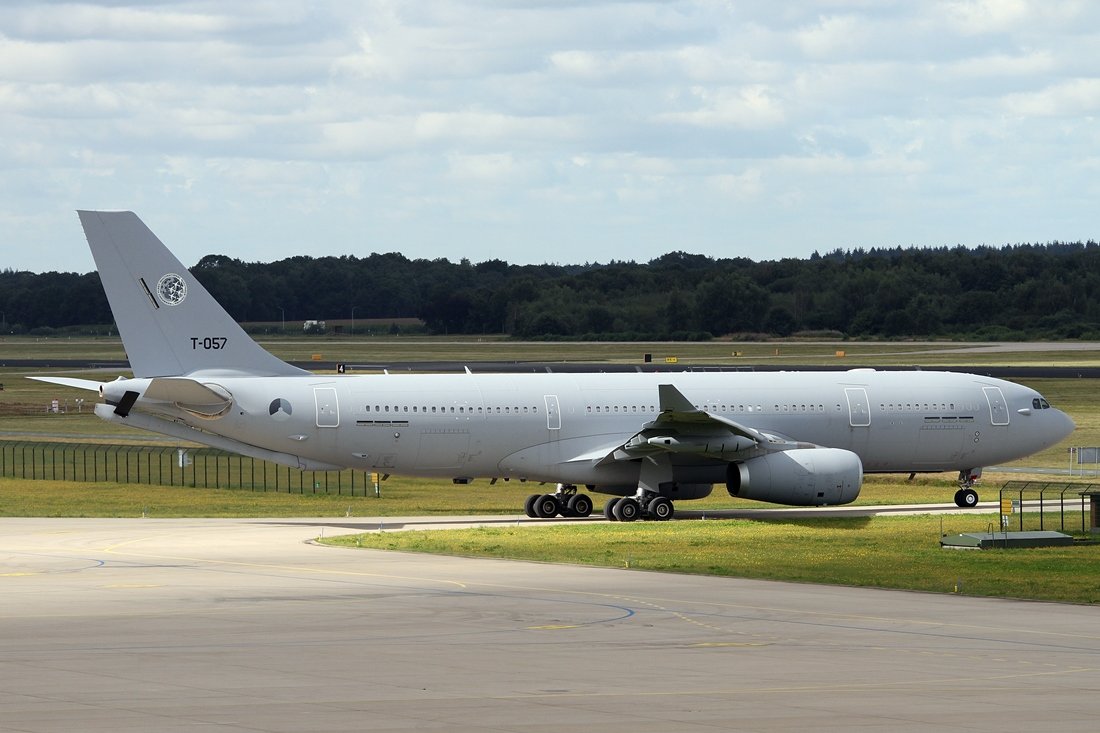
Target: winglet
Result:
[673, 400]
[170, 325]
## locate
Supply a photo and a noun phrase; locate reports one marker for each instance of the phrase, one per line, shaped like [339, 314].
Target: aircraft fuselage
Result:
[557, 427]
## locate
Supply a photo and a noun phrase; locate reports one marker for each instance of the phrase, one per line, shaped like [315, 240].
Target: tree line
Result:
[1022, 291]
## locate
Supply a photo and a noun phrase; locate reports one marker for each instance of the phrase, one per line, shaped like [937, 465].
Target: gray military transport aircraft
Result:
[648, 439]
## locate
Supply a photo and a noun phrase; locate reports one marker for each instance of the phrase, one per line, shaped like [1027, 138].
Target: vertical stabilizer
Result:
[170, 325]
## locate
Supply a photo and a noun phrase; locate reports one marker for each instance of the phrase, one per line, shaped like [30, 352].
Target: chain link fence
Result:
[170, 466]
[1048, 505]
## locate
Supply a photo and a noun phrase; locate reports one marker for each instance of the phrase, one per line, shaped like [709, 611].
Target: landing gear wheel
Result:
[627, 509]
[547, 506]
[660, 509]
[966, 498]
[609, 510]
[529, 506]
[580, 505]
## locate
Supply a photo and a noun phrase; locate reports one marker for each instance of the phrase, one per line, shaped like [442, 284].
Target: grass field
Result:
[881, 552]
[383, 349]
[399, 497]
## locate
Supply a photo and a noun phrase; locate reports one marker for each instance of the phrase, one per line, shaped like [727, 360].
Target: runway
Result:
[241, 625]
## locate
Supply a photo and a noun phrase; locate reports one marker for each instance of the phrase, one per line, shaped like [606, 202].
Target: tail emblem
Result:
[171, 289]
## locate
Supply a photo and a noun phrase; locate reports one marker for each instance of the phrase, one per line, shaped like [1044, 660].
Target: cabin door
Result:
[998, 408]
[328, 409]
[553, 413]
[859, 411]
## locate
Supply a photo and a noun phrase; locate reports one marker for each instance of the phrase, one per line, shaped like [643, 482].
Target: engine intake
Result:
[800, 477]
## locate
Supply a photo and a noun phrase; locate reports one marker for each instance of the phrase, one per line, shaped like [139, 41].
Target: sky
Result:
[561, 131]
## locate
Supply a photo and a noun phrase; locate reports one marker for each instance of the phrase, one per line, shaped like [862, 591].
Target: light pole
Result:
[282, 320]
[353, 319]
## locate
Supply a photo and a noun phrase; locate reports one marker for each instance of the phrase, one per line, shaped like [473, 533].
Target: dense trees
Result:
[1024, 291]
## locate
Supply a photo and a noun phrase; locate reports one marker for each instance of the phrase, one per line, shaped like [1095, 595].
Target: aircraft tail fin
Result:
[170, 325]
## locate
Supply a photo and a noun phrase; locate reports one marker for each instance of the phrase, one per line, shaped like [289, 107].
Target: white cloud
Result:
[981, 17]
[1071, 98]
[751, 107]
[493, 168]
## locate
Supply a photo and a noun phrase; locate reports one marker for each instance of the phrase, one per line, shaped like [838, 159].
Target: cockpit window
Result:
[1044, 403]
[1040, 404]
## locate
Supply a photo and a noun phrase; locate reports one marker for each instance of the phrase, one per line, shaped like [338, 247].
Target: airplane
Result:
[646, 439]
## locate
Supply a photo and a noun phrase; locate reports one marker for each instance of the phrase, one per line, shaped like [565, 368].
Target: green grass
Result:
[26, 498]
[381, 349]
[882, 552]
[399, 497]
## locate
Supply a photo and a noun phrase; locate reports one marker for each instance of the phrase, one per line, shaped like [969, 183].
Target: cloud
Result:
[1071, 98]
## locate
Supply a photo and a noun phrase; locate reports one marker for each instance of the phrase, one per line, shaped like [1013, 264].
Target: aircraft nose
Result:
[1065, 424]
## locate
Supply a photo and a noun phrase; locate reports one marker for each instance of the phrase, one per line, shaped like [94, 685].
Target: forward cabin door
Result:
[998, 408]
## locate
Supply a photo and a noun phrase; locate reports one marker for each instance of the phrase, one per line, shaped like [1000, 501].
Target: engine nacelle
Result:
[800, 477]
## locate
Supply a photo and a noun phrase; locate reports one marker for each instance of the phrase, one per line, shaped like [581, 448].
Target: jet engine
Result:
[800, 477]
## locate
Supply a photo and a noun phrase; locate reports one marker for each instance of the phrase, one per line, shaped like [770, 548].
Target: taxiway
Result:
[242, 625]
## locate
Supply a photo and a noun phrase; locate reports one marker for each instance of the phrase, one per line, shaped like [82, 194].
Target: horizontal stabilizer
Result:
[89, 384]
[186, 392]
[202, 400]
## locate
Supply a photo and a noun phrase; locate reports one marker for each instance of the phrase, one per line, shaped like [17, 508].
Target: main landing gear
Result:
[568, 502]
[565, 501]
[630, 508]
[966, 496]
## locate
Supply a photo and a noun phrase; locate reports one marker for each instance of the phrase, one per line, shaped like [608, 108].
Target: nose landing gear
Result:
[966, 496]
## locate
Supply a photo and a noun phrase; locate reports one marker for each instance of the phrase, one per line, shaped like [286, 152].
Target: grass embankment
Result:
[881, 552]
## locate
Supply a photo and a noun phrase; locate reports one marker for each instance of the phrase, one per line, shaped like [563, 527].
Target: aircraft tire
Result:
[580, 505]
[966, 498]
[609, 510]
[627, 509]
[529, 506]
[661, 509]
[547, 506]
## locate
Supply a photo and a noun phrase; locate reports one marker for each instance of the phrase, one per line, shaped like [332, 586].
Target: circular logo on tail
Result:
[171, 289]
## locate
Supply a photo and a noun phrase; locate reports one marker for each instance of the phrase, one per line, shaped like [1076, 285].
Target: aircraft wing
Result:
[681, 427]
